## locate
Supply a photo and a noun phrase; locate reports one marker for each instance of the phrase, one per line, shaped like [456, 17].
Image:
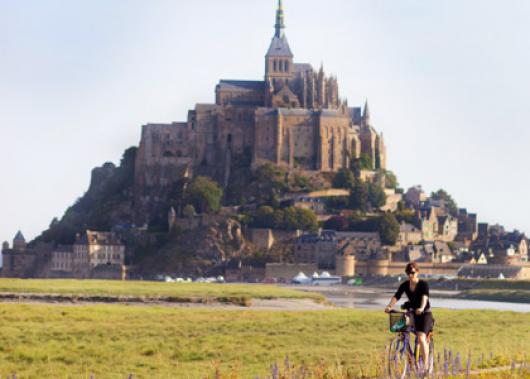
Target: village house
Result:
[408, 235]
[447, 228]
[428, 221]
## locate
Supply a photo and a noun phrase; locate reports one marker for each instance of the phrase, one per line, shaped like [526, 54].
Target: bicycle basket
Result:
[398, 322]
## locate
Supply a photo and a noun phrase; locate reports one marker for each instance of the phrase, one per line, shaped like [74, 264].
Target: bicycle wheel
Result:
[398, 358]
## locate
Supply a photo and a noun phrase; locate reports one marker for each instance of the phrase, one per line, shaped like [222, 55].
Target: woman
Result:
[418, 293]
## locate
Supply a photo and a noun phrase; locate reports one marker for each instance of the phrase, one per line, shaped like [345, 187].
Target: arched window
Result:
[275, 66]
[281, 65]
[286, 65]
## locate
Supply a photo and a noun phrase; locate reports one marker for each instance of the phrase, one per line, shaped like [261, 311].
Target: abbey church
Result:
[294, 117]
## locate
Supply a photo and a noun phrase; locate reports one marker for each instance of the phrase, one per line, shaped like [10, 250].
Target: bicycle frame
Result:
[406, 358]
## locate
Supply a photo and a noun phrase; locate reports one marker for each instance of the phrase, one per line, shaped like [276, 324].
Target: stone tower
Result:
[19, 242]
[279, 66]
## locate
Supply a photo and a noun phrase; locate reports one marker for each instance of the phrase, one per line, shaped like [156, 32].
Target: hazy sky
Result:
[448, 84]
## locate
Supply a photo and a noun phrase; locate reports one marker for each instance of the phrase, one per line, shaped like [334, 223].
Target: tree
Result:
[388, 229]
[299, 218]
[449, 202]
[204, 194]
[189, 211]
[376, 195]
[264, 217]
[344, 179]
[359, 196]
[339, 223]
[365, 162]
[390, 179]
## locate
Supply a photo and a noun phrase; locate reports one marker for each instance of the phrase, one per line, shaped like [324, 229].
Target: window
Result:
[275, 66]
[286, 65]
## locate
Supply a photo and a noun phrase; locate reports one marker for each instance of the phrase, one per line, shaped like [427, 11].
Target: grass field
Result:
[238, 293]
[111, 341]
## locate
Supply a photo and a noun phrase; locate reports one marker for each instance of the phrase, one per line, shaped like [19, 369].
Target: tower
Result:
[19, 242]
[279, 59]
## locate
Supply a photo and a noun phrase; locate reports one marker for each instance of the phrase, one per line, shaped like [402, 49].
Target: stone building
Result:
[447, 228]
[85, 259]
[408, 235]
[322, 248]
[18, 261]
[428, 221]
[294, 117]
[467, 226]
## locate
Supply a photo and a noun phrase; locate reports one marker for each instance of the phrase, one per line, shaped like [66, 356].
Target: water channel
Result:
[378, 298]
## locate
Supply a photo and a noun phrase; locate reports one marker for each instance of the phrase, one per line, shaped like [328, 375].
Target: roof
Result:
[279, 47]
[302, 67]
[355, 114]
[242, 85]
[407, 228]
[19, 237]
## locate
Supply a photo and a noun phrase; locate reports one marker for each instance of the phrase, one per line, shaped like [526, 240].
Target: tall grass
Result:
[110, 341]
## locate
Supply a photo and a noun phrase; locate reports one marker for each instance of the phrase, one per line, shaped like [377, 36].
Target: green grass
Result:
[111, 341]
[151, 290]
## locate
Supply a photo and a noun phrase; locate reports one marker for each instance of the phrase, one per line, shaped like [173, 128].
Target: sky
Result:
[447, 82]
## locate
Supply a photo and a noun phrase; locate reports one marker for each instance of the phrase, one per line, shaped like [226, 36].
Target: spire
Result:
[366, 114]
[280, 26]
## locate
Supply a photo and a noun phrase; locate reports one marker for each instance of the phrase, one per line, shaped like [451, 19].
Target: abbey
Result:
[294, 117]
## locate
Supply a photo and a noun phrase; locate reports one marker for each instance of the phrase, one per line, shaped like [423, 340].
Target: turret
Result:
[366, 115]
[5, 246]
[19, 242]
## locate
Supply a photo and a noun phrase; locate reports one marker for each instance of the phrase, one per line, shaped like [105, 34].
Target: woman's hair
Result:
[410, 266]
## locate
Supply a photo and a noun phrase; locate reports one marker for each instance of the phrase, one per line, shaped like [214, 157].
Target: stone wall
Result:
[285, 272]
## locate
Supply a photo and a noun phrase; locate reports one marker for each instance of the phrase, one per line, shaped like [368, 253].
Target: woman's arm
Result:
[424, 300]
[390, 305]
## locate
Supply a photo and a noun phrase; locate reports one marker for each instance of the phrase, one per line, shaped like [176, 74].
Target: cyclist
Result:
[418, 293]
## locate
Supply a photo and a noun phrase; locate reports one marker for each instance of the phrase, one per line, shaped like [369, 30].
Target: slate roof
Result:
[302, 67]
[19, 237]
[242, 85]
[279, 47]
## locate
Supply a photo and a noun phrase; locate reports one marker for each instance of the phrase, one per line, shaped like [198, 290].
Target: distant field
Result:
[231, 293]
[508, 295]
[111, 341]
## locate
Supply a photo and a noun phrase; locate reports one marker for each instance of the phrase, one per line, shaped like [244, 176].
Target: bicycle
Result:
[403, 360]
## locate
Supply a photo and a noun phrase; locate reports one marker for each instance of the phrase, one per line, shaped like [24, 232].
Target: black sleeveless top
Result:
[422, 288]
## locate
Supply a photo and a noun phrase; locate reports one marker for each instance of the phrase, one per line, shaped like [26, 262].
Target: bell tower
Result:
[279, 59]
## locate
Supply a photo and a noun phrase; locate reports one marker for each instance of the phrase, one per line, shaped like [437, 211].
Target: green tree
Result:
[365, 162]
[390, 179]
[264, 217]
[359, 196]
[449, 202]
[376, 195]
[339, 223]
[344, 179]
[388, 229]
[299, 218]
[189, 211]
[204, 194]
